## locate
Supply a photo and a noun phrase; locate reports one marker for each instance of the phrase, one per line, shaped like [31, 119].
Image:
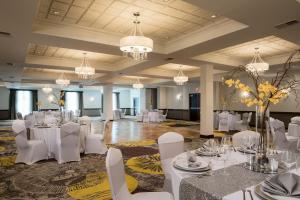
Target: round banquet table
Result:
[51, 137]
[191, 185]
[154, 117]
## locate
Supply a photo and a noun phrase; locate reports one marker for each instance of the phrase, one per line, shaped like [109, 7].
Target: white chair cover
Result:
[69, 147]
[279, 137]
[87, 121]
[294, 130]
[224, 121]
[39, 117]
[238, 139]
[145, 116]
[94, 142]
[31, 121]
[243, 124]
[118, 185]
[139, 117]
[31, 151]
[295, 120]
[170, 145]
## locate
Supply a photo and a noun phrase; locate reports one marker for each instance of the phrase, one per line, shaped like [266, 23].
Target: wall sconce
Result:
[178, 96]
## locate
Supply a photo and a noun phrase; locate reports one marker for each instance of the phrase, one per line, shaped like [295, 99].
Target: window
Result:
[72, 101]
[24, 102]
[114, 101]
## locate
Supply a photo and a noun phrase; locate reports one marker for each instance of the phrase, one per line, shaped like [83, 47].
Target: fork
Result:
[244, 194]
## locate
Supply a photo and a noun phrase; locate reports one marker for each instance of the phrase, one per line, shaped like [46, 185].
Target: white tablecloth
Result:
[154, 116]
[51, 136]
[294, 130]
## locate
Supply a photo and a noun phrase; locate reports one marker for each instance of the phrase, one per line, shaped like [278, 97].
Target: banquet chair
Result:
[224, 121]
[238, 139]
[39, 117]
[29, 151]
[145, 116]
[139, 117]
[86, 120]
[19, 116]
[243, 124]
[116, 174]
[94, 142]
[69, 147]
[164, 116]
[280, 139]
[170, 145]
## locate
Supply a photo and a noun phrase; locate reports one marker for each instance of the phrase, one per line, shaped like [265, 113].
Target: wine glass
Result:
[226, 150]
[298, 155]
[288, 158]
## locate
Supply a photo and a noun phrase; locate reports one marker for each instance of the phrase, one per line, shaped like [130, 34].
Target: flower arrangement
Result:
[265, 92]
[58, 100]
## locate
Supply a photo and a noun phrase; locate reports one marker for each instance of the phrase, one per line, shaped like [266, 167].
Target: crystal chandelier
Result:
[136, 45]
[257, 64]
[138, 84]
[180, 79]
[85, 70]
[62, 80]
[47, 90]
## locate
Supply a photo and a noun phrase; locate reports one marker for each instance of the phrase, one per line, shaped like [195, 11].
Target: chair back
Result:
[19, 128]
[238, 139]
[39, 117]
[116, 175]
[277, 129]
[19, 116]
[170, 145]
[249, 117]
[86, 120]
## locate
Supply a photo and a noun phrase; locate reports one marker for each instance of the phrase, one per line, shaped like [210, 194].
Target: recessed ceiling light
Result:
[55, 12]
[213, 16]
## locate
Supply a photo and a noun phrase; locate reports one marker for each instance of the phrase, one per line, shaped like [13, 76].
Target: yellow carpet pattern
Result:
[96, 187]
[149, 164]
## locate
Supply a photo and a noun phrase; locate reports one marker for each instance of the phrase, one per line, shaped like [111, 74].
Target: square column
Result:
[107, 102]
[207, 101]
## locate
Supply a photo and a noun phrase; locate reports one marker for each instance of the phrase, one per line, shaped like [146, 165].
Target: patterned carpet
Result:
[86, 180]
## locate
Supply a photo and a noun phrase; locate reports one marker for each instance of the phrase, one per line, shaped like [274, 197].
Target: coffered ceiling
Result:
[50, 51]
[175, 17]
[48, 37]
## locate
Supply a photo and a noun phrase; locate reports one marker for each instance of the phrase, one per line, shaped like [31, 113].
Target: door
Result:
[194, 103]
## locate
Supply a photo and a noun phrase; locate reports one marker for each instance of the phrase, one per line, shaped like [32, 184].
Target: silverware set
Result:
[244, 194]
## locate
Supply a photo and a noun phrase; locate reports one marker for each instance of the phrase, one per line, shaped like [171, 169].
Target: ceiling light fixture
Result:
[138, 84]
[257, 64]
[180, 79]
[213, 16]
[136, 45]
[85, 70]
[62, 81]
[47, 89]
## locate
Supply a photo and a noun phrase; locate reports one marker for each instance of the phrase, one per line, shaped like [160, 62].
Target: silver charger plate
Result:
[247, 151]
[205, 169]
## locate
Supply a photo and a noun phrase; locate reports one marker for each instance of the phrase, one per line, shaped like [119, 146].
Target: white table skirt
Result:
[217, 163]
[51, 136]
[154, 117]
[294, 130]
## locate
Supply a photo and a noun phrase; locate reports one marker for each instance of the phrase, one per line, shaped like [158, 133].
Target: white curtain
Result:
[24, 102]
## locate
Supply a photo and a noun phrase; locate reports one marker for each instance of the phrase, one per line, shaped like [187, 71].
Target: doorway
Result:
[194, 106]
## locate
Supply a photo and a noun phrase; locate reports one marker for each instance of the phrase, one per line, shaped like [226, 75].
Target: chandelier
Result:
[138, 84]
[62, 80]
[136, 45]
[47, 90]
[257, 64]
[180, 79]
[85, 70]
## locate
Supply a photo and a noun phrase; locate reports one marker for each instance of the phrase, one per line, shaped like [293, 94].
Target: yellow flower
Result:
[229, 82]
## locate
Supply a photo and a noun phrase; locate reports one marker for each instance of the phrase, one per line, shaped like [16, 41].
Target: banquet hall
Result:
[150, 99]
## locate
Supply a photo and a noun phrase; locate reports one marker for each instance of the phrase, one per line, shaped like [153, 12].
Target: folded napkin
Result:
[287, 184]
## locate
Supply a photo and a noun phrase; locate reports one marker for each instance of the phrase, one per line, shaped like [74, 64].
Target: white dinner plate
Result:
[180, 162]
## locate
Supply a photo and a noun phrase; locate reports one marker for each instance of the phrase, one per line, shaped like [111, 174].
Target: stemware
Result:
[298, 155]
[288, 158]
[225, 150]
